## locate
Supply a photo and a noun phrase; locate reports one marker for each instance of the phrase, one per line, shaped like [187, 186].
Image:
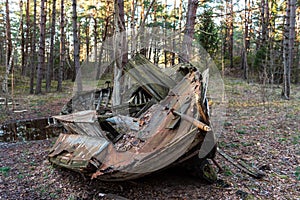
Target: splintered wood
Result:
[130, 140]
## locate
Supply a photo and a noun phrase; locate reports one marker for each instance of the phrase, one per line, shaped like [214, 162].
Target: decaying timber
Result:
[163, 123]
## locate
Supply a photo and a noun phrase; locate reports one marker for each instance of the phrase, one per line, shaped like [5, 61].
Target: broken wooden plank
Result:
[194, 121]
[255, 173]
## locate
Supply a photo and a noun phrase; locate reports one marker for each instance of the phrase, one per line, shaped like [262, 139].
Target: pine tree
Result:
[41, 56]
[76, 47]
[50, 65]
[61, 47]
[33, 49]
[189, 29]
[288, 48]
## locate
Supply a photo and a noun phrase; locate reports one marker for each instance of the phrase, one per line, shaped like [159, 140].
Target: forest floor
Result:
[260, 128]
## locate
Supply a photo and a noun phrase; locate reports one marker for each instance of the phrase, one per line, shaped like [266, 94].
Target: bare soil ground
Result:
[260, 128]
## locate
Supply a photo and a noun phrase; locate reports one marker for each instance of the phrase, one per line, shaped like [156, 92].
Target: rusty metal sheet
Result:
[75, 151]
[82, 123]
[87, 116]
[149, 76]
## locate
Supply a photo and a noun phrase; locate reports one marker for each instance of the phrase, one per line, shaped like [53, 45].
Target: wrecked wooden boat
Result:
[163, 122]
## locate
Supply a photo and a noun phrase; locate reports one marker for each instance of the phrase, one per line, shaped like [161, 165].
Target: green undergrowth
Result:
[4, 170]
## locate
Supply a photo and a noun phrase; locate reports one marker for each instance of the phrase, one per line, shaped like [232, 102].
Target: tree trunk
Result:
[288, 49]
[156, 50]
[246, 39]
[265, 22]
[9, 48]
[105, 32]
[2, 52]
[61, 47]
[132, 26]
[297, 75]
[122, 26]
[87, 38]
[33, 50]
[121, 55]
[297, 70]
[23, 57]
[95, 40]
[173, 41]
[76, 48]
[230, 49]
[8, 35]
[291, 38]
[165, 33]
[143, 39]
[27, 40]
[180, 23]
[50, 65]
[228, 44]
[41, 57]
[180, 15]
[286, 67]
[189, 29]
[262, 44]
[142, 42]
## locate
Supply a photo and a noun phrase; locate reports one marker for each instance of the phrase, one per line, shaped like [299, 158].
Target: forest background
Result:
[255, 44]
[43, 42]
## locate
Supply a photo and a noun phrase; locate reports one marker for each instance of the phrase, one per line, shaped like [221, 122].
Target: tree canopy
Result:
[258, 39]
